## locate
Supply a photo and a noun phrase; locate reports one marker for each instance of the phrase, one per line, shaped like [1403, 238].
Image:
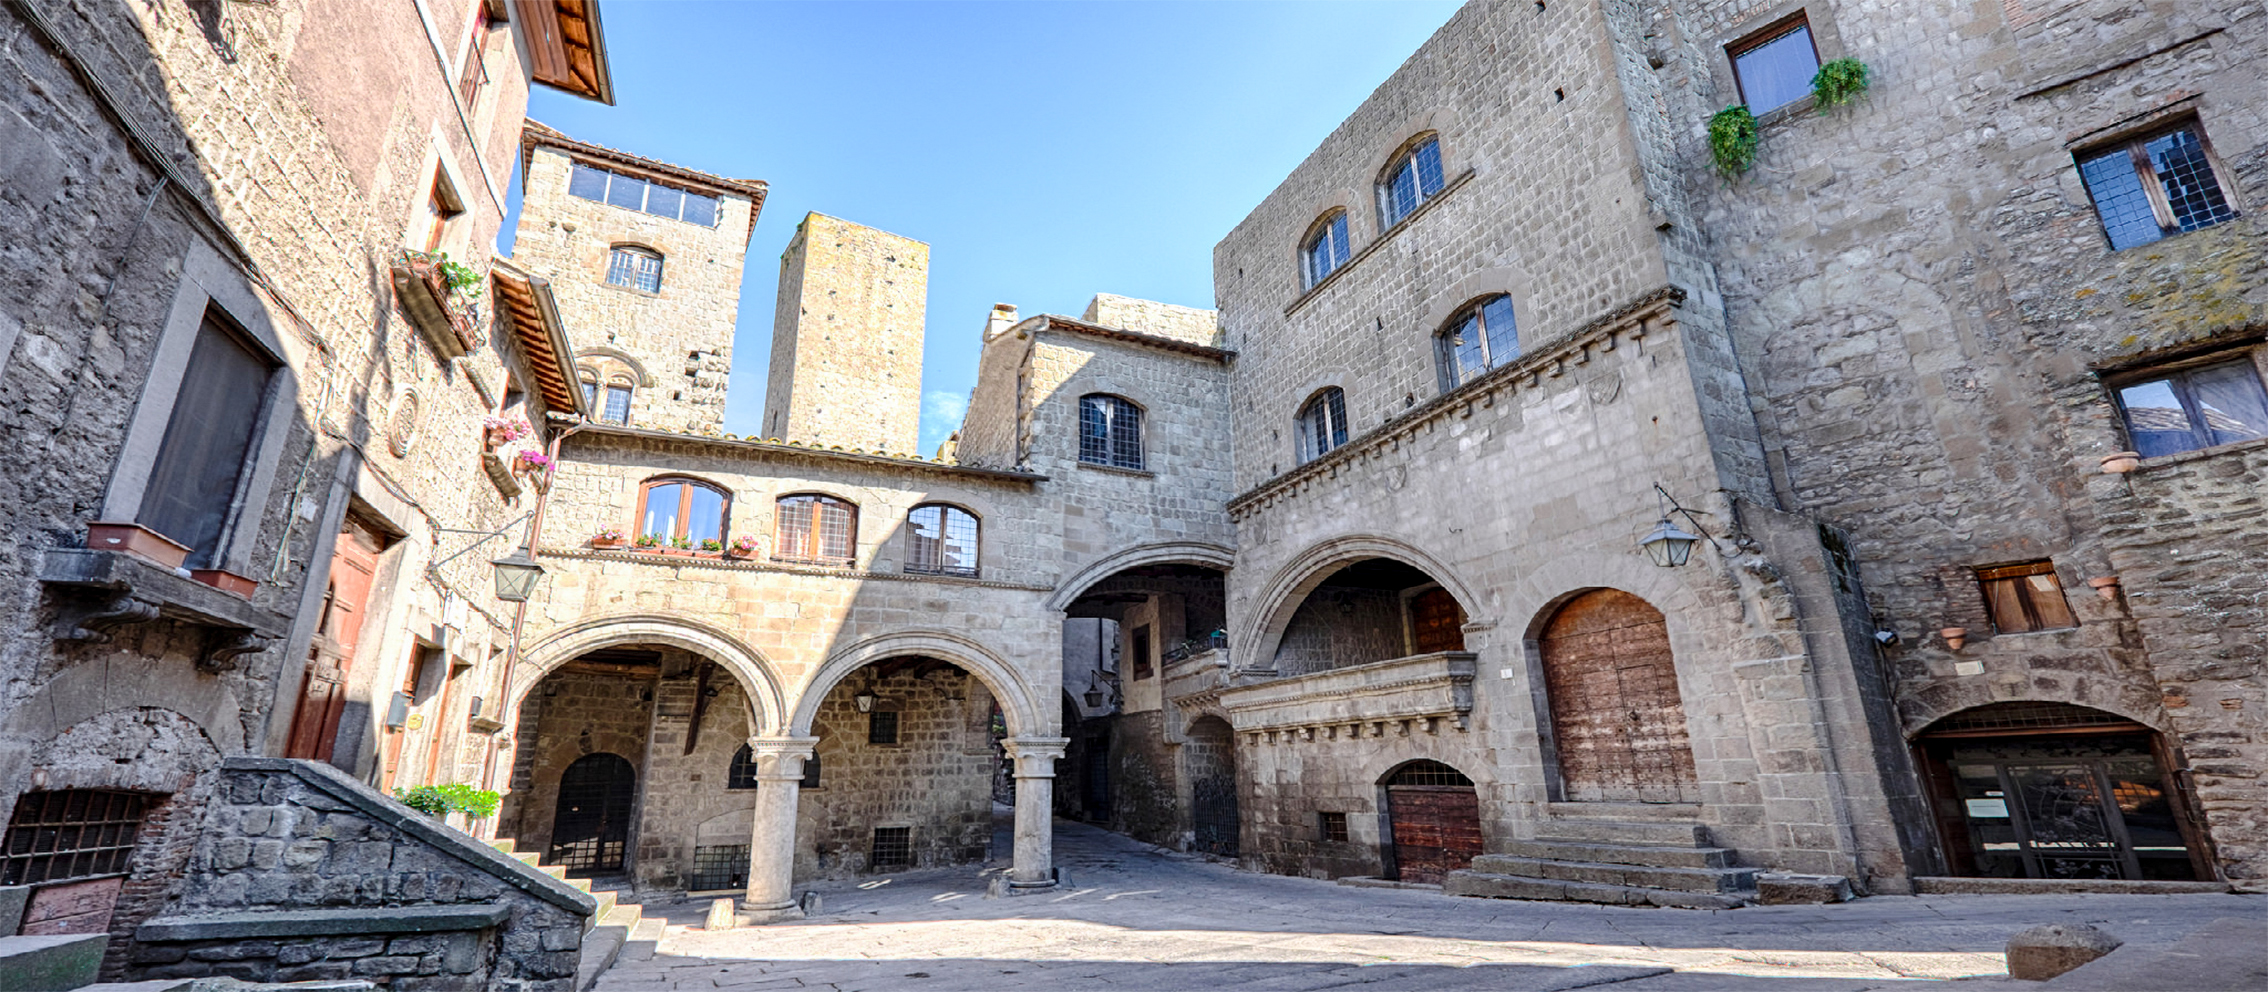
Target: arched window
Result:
[817, 530]
[1413, 179]
[617, 408]
[590, 387]
[674, 508]
[941, 540]
[1110, 432]
[1325, 249]
[635, 267]
[1322, 424]
[1480, 337]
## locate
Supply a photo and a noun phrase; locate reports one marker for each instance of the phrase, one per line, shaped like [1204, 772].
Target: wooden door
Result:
[1436, 622]
[322, 698]
[1616, 719]
[1434, 815]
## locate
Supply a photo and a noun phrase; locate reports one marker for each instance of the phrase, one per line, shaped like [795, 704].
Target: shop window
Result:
[2171, 412]
[2156, 186]
[816, 530]
[69, 834]
[2026, 597]
[1774, 66]
[941, 540]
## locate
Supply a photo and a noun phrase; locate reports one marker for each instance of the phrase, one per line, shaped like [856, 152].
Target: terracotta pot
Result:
[138, 540]
[2105, 586]
[739, 555]
[225, 581]
[606, 545]
[1954, 636]
[2121, 462]
[494, 438]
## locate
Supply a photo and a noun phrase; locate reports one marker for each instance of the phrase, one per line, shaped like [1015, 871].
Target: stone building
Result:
[251, 497]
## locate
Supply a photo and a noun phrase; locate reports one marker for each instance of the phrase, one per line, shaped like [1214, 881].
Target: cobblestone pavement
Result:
[1138, 918]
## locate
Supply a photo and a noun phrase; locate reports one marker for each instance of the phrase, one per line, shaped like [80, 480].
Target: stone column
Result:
[1034, 866]
[771, 840]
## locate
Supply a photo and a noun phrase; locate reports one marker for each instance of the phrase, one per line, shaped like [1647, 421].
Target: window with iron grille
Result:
[817, 530]
[635, 268]
[718, 866]
[1428, 773]
[2155, 186]
[2188, 409]
[71, 833]
[1110, 432]
[1774, 66]
[1326, 249]
[742, 773]
[1322, 424]
[1480, 337]
[893, 847]
[882, 727]
[1334, 826]
[2025, 597]
[645, 196]
[1414, 179]
[941, 540]
[810, 773]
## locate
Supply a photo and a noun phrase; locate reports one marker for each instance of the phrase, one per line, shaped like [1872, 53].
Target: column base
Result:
[756, 916]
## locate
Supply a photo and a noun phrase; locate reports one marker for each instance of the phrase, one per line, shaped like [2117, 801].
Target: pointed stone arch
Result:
[1163, 553]
[1292, 583]
[764, 692]
[1019, 703]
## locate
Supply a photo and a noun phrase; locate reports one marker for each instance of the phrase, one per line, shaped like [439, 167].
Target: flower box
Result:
[137, 540]
[225, 581]
[608, 544]
[422, 288]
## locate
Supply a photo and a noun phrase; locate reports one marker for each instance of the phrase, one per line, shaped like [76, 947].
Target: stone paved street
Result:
[1138, 918]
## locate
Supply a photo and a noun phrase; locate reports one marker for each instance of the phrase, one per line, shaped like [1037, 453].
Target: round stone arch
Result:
[82, 692]
[1378, 769]
[1018, 703]
[584, 636]
[1918, 711]
[1284, 593]
[644, 379]
[1163, 553]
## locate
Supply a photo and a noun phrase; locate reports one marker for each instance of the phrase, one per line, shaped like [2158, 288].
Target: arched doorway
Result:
[2052, 790]
[1617, 722]
[1433, 821]
[1209, 759]
[590, 830]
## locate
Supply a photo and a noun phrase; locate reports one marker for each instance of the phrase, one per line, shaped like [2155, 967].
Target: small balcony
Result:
[1428, 692]
[97, 592]
[445, 314]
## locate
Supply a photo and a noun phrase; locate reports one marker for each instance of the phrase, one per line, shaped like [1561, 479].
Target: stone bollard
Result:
[2042, 953]
[813, 904]
[721, 916]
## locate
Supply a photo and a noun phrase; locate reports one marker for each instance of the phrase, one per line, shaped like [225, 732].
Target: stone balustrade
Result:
[1423, 693]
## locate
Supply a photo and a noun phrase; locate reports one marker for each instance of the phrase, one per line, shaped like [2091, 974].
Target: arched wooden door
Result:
[1209, 755]
[1434, 814]
[591, 828]
[1617, 722]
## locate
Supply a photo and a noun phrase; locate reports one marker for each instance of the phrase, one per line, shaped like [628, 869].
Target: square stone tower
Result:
[645, 260]
[846, 339]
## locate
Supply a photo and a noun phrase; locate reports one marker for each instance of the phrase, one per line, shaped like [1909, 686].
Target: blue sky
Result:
[1045, 151]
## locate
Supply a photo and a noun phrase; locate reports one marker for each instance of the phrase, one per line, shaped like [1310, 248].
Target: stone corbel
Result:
[101, 614]
[223, 646]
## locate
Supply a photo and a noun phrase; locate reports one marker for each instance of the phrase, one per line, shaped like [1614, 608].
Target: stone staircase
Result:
[1615, 863]
[619, 930]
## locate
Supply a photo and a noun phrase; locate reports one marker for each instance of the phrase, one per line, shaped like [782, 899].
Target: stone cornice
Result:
[1631, 321]
[1068, 325]
[1421, 687]
[775, 446]
[760, 565]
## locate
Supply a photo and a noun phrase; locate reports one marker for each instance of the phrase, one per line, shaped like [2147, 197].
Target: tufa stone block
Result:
[2042, 953]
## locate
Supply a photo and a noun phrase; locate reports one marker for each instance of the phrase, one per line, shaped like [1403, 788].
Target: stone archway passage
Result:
[1434, 813]
[1210, 758]
[1617, 722]
[591, 830]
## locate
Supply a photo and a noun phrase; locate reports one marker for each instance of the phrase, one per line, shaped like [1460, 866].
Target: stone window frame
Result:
[2132, 135]
[2253, 352]
[1444, 354]
[209, 283]
[1382, 184]
[685, 503]
[1331, 826]
[1141, 434]
[1333, 224]
[1320, 401]
[640, 250]
[976, 522]
[2034, 617]
[1826, 43]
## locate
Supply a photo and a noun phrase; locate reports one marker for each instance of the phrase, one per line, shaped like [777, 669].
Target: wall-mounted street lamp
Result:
[1670, 545]
[1093, 695]
[865, 700]
[516, 575]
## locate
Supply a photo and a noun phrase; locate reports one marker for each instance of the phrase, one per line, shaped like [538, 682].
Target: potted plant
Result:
[137, 540]
[681, 546]
[439, 801]
[611, 537]
[497, 431]
[710, 546]
[650, 542]
[535, 465]
[225, 581]
[439, 296]
[742, 547]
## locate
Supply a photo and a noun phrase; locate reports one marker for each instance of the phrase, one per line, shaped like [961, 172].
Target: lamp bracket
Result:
[1688, 514]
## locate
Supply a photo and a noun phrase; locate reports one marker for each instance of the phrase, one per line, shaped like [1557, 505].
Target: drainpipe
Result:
[520, 618]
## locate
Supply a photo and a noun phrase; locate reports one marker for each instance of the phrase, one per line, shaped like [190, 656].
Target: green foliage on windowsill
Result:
[1733, 138]
[1837, 83]
[438, 801]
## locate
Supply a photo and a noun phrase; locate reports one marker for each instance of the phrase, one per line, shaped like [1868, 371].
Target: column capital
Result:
[1035, 757]
[781, 758]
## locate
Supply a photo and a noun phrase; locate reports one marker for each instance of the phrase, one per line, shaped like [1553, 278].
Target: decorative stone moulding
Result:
[135, 539]
[1427, 690]
[2105, 586]
[2121, 462]
[1954, 636]
[422, 289]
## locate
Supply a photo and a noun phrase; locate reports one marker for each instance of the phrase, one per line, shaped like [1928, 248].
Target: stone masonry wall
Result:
[582, 714]
[847, 338]
[936, 780]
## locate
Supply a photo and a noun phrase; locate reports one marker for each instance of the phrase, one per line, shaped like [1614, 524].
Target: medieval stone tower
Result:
[847, 337]
[644, 259]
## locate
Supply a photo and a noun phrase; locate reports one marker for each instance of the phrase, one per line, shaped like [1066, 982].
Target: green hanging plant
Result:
[1733, 139]
[1837, 83]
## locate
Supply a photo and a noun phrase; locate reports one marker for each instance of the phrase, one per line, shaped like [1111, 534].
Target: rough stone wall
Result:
[1148, 797]
[582, 714]
[936, 780]
[1335, 628]
[675, 344]
[1928, 349]
[1166, 320]
[1287, 785]
[847, 338]
[683, 800]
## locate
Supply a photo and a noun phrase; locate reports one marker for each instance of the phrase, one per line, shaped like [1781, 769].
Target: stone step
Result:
[1491, 886]
[644, 939]
[1642, 876]
[602, 944]
[1654, 855]
[63, 961]
[504, 844]
[606, 904]
[1670, 834]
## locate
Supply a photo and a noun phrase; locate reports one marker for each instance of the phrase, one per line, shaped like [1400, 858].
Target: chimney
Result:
[1003, 317]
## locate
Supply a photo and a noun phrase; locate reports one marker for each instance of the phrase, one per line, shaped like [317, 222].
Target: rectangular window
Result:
[717, 867]
[893, 847]
[1143, 668]
[2155, 186]
[624, 191]
[588, 183]
[882, 727]
[1774, 66]
[2195, 408]
[202, 458]
[645, 196]
[2025, 597]
[70, 833]
[663, 201]
[810, 773]
[476, 60]
[1334, 826]
[700, 210]
[617, 405]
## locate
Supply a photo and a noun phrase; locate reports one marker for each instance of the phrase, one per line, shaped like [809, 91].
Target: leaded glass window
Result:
[1110, 432]
[2155, 186]
[941, 540]
[1322, 424]
[1326, 249]
[1414, 179]
[812, 529]
[1481, 337]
